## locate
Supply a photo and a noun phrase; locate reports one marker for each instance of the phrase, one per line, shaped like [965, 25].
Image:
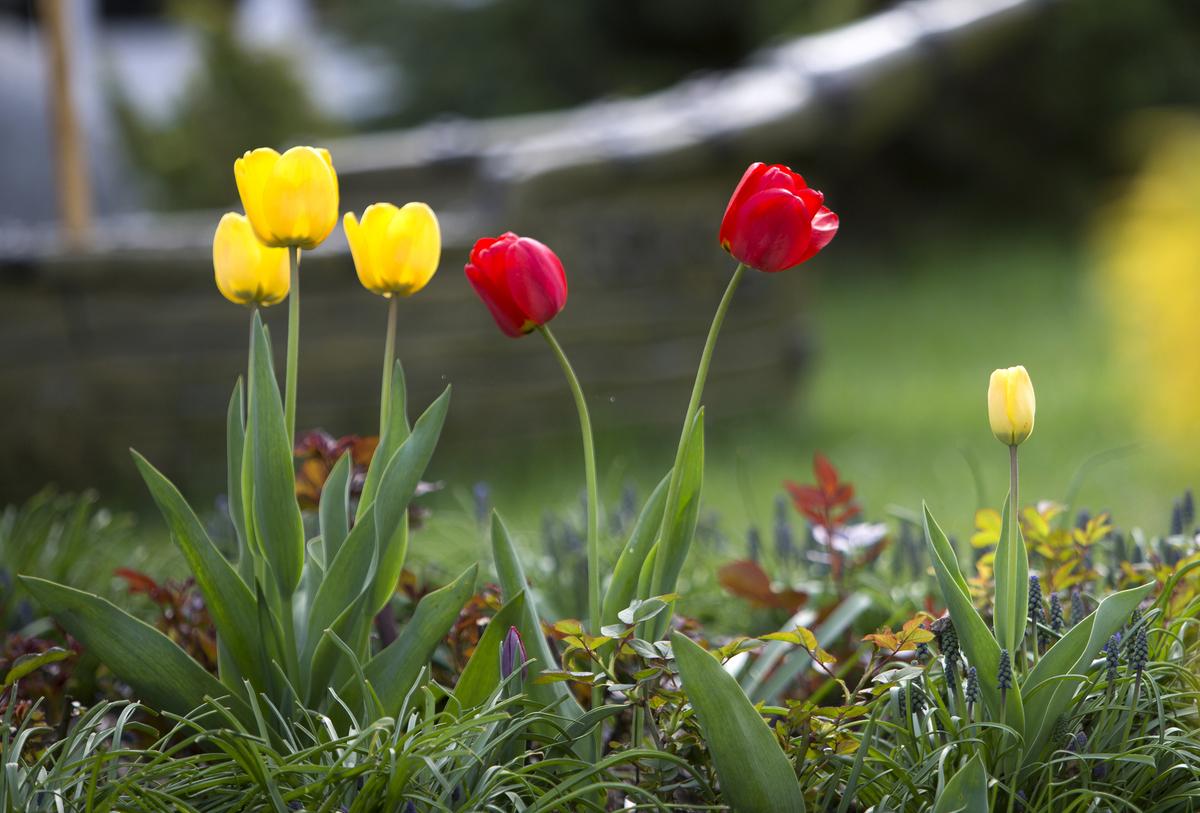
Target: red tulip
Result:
[521, 281]
[774, 221]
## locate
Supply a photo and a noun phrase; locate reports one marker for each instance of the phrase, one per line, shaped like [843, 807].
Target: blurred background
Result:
[1018, 182]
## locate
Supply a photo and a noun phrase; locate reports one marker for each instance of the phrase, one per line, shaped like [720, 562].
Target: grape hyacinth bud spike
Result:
[1189, 509]
[1177, 518]
[1057, 622]
[1036, 611]
[1140, 651]
[972, 691]
[1112, 659]
[1004, 675]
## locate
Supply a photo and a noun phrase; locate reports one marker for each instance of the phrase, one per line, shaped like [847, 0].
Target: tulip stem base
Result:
[293, 344]
[593, 500]
[656, 585]
[389, 361]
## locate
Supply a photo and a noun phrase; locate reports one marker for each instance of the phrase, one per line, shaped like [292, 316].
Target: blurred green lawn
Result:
[896, 399]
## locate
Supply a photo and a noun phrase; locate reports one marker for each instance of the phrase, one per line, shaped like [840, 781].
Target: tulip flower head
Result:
[774, 221]
[521, 281]
[290, 199]
[395, 249]
[1011, 405]
[248, 272]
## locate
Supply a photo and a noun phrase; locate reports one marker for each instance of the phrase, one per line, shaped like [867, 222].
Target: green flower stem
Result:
[656, 585]
[593, 500]
[389, 361]
[1015, 533]
[293, 344]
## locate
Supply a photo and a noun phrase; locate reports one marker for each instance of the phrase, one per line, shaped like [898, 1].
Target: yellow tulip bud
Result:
[248, 273]
[396, 250]
[290, 199]
[1011, 405]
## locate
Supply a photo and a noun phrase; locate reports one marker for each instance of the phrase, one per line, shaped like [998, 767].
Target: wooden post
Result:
[74, 188]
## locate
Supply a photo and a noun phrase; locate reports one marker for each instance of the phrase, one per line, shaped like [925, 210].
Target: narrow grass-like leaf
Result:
[229, 601]
[976, 640]
[396, 490]
[481, 675]
[755, 774]
[162, 674]
[1012, 584]
[1046, 695]
[277, 520]
[393, 671]
[623, 587]
[966, 791]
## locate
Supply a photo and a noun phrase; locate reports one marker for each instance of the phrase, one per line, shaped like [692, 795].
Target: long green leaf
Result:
[1046, 695]
[974, 637]
[622, 589]
[682, 517]
[1012, 584]
[277, 519]
[229, 601]
[396, 491]
[393, 671]
[966, 792]
[391, 435]
[513, 581]
[346, 578]
[235, 440]
[162, 674]
[482, 673]
[334, 509]
[755, 774]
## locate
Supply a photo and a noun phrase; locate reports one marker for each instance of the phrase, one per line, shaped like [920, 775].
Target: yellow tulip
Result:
[1011, 405]
[290, 199]
[396, 250]
[248, 273]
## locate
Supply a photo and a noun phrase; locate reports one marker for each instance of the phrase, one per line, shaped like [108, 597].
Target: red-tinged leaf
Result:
[746, 579]
[827, 476]
[136, 581]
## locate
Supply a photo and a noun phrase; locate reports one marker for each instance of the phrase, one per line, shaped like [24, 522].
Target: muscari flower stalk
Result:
[923, 655]
[1057, 622]
[971, 695]
[785, 544]
[1004, 676]
[1139, 652]
[753, 544]
[1112, 660]
[947, 641]
[1188, 503]
[1083, 518]
[1177, 519]
[1037, 613]
[1134, 618]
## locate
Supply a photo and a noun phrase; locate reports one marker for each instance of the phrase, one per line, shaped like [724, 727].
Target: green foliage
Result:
[63, 537]
[755, 774]
[291, 625]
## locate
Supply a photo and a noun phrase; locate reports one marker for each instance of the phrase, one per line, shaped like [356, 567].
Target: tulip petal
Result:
[824, 228]
[771, 231]
[251, 172]
[495, 296]
[536, 280]
[413, 246]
